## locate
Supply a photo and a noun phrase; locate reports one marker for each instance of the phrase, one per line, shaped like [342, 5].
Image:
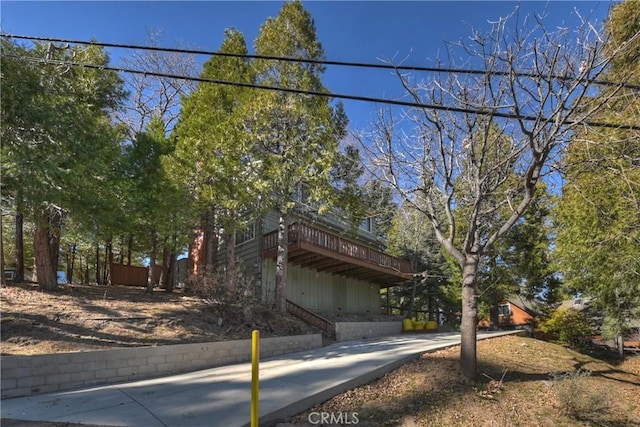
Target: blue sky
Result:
[360, 31]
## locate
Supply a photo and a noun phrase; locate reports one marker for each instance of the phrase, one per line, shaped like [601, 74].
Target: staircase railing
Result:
[311, 318]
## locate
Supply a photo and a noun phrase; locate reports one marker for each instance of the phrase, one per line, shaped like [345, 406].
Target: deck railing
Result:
[303, 233]
[310, 317]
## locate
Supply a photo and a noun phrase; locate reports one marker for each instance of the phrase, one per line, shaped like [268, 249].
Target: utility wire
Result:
[324, 62]
[487, 111]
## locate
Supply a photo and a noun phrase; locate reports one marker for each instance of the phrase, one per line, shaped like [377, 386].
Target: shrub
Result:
[568, 326]
[229, 287]
[577, 398]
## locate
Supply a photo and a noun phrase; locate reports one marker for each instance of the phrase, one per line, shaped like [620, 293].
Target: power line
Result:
[488, 111]
[324, 62]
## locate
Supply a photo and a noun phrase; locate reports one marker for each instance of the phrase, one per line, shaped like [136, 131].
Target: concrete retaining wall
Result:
[27, 375]
[357, 330]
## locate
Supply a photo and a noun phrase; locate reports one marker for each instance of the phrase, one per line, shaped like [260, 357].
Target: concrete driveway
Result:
[221, 396]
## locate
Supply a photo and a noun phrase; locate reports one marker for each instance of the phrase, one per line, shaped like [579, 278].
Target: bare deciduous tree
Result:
[482, 142]
[155, 98]
[152, 96]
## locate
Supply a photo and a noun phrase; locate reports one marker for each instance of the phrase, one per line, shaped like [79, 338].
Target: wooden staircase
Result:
[311, 318]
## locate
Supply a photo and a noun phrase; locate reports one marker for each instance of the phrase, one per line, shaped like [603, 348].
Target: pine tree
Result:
[295, 136]
[59, 143]
[213, 157]
[598, 215]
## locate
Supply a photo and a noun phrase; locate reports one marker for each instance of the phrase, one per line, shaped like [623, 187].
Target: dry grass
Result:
[524, 382]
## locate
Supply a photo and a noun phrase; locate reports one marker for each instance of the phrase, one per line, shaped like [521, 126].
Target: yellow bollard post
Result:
[255, 379]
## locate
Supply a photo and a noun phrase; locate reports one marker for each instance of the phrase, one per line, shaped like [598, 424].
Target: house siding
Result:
[249, 253]
[321, 291]
[328, 222]
[341, 227]
[270, 222]
[518, 317]
[318, 291]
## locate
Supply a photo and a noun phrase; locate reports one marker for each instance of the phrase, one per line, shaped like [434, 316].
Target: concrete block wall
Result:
[357, 330]
[28, 375]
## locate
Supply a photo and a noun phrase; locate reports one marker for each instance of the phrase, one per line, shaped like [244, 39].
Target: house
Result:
[329, 269]
[29, 275]
[595, 316]
[514, 312]
[333, 267]
[579, 303]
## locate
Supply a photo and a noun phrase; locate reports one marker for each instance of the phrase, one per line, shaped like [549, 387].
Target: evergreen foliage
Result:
[295, 136]
[59, 145]
[568, 326]
[598, 215]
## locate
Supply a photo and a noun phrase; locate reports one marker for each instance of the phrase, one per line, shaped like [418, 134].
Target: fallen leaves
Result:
[516, 389]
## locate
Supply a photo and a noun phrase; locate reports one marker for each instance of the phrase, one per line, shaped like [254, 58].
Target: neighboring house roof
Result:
[584, 303]
[530, 306]
[578, 303]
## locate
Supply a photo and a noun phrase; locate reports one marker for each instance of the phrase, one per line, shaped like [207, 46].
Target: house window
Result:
[366, 225]
[301, 194]
[504, 309]
[246, 234]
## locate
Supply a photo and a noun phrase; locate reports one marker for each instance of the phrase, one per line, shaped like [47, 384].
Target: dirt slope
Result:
[77, 318]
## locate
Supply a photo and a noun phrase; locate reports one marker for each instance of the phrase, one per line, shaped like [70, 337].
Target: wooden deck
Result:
[321, 250]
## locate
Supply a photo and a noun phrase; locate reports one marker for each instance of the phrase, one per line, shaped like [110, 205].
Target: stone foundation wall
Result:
[28, 375]
[357, 330]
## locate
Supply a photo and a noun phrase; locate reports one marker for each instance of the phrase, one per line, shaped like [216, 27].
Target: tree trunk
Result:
[67, 260]
[54, 230]
[468, 357]
[388, 303]
[129, 248]
[432, 305]
[86, 270]
[494, 315]
[80, 269]
[414, 287]
[412, 301]
[108, 259]
[281, 264]
[71, 259]
[165, 264]
[3, 280]
[47, 279]
[98, 276]
[195, 261]
[122, 250]
[168, 266]
[19, 276]
[152, 259]
[620, 344]
[171, 272]
[230, 260]
[210, 244]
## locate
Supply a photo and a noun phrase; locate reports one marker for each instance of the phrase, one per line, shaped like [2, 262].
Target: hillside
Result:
[80, 318]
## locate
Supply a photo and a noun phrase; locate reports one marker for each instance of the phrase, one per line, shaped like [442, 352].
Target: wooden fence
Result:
[130, 275]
